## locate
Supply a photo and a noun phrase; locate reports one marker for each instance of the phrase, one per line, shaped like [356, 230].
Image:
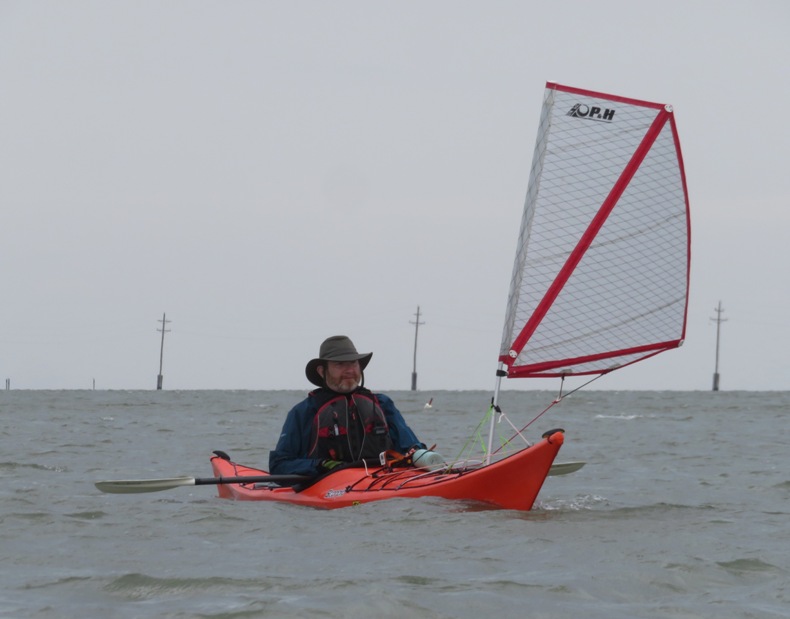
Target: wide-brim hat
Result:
[335, 348]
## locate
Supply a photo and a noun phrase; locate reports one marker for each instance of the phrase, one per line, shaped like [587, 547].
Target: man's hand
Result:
[328, 465]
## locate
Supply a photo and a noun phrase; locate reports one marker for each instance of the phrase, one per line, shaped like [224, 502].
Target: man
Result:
[341, 421]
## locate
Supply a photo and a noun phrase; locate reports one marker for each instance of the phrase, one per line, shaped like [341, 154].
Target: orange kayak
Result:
[510, 483]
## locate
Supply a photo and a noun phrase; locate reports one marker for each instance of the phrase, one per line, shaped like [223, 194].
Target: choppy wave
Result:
[742, 567]
[138, 586]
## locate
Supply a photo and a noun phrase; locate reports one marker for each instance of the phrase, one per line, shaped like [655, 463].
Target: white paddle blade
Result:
[563, 468]
[133, 486]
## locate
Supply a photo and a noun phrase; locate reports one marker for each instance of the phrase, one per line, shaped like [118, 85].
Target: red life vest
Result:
[349, 427]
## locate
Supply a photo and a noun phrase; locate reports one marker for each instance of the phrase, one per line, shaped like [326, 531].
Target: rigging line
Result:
[518, 432]
[582, 386]
[506, 442]
[557, 400]
[476, 435]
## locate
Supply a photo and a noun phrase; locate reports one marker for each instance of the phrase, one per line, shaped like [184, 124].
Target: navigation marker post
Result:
[416, 324]
[718, 320]
[159, 378]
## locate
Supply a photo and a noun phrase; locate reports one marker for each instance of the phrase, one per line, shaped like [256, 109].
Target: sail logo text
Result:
[591, 113]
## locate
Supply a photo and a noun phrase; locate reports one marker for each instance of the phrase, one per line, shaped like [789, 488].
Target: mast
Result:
[500, 373]
[416, 324]
[718, 321]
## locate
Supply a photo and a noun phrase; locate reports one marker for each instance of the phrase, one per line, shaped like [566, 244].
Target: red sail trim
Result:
[603, 96]
[548, 368]
[682, 168]
[589, 235]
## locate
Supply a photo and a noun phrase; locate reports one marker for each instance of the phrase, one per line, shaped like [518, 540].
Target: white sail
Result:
[602, 264]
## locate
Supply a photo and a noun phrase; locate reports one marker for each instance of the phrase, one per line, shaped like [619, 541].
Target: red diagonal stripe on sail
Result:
[589, 235]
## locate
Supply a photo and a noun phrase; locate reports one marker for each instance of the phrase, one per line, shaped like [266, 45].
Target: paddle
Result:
[133, 486]
[563, 468]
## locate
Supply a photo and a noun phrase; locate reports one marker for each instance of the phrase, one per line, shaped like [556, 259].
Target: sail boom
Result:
[568, 367]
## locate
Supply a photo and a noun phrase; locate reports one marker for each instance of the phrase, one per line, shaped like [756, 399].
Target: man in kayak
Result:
[341, 421]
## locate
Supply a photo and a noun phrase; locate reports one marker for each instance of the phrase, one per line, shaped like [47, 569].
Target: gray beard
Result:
[339, 389]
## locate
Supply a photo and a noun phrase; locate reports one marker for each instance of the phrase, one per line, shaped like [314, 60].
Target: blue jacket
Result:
[290, 455]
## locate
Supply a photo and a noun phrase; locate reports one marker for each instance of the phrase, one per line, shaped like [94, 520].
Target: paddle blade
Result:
[133, 486]
[563, 468]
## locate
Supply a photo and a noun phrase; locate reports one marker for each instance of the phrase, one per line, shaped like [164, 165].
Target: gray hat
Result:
[335, 348]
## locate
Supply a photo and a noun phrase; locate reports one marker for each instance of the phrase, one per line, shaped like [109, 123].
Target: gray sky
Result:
[272, 173]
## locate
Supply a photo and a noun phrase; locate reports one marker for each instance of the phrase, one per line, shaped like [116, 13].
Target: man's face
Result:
[341, 376]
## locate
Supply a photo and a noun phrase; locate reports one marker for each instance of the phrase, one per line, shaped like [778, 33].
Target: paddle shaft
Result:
[132, 486]
[249, 479]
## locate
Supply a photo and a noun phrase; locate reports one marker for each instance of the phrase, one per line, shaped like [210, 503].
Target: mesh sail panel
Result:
[601, 272]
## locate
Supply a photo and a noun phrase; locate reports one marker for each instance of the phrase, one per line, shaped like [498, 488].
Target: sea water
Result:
[683, 510]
